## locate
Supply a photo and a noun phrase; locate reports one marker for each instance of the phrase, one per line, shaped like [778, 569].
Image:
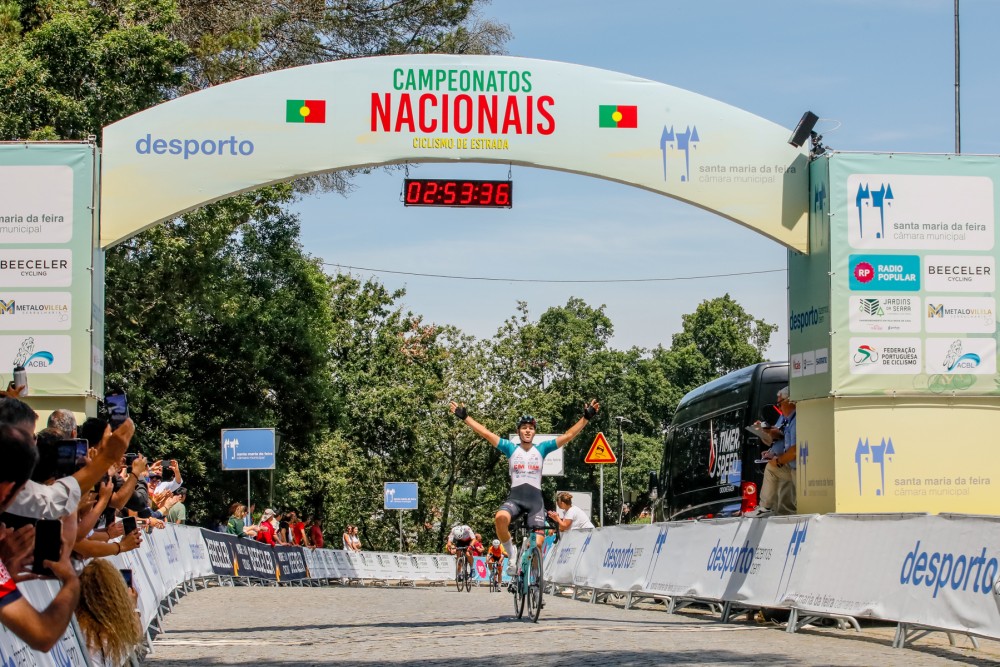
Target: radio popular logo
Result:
[888, 273]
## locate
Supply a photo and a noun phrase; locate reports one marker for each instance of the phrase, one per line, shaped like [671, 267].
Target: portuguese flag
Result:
[619, 115]
[305, 111]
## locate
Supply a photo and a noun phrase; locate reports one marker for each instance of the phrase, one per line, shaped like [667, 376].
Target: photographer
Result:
[38, 629]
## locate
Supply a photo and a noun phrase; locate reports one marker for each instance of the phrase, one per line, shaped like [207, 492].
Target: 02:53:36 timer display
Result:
[461, 193]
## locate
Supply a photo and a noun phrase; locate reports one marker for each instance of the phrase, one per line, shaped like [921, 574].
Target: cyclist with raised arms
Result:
[525, 466]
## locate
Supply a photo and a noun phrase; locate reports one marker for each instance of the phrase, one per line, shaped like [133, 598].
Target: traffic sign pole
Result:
[600, 453]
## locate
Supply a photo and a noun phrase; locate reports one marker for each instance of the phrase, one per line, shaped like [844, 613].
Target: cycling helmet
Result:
[496, 543]
[525, 419]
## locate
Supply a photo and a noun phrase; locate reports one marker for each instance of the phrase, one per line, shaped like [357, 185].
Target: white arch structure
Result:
[235, 137]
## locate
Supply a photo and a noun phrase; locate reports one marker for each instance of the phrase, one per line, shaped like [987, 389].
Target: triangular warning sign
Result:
[600, 451]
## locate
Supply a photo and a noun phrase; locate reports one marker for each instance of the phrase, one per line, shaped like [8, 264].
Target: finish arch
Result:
[276, 127]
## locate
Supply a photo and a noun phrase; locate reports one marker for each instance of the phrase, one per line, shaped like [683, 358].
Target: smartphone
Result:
[48, 544]
[128, 524]
[71, 455]
[127, 576]
[117, 405]
[130, 457]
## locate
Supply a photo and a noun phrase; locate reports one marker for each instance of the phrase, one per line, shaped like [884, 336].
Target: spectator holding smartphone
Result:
[38, 629]
[61, 498]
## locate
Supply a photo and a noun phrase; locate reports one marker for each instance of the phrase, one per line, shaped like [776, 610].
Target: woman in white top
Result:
[569, 517]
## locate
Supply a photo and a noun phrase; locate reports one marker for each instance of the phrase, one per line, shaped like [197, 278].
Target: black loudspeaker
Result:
[804, 129]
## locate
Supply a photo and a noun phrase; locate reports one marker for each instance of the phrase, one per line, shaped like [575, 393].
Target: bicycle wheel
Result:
[468, 576]
[516, 587]
[459, 570]
[533, 585]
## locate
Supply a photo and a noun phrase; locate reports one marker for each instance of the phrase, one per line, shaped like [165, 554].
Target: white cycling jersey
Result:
[525, 466]
[462, 532]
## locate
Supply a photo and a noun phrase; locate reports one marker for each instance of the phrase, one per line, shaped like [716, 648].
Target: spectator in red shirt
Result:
[315, 532]
[267, 527]
[297, 528]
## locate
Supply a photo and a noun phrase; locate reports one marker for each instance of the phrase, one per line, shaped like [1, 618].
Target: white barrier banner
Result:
[67, 651]
[420, 567]
[560, 562]
[930, 570]
[616, 558]
[345, 564]
[364, 564]
[383, 567]
[442, 568]
[760, 565]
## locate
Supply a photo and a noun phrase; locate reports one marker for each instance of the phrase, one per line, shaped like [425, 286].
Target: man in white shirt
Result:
[569, 517]
[54, 501]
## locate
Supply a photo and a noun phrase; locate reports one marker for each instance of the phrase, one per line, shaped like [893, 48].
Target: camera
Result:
[130, 457]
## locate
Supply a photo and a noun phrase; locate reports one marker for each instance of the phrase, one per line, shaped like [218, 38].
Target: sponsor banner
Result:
[38, 267]
[561, 562]
[35, 311]
[884, 273]
[909, 212]
[959, 273]
[70, 648]
[38, 354]
[48, 278]
[694, 559]
[37, 204]
[413, 108]
[960, 314]
[363, 562]
[885, 356]
[291, 563]
[885, 313]
[932, 570]
[616, 558]
[957, 355]
[345, 565]
[442, 568]
[913, 253]
[255, 559]
[221, 551]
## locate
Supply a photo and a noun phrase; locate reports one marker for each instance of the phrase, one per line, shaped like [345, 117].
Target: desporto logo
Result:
[190, 147]
[937, 570]
[621, 559]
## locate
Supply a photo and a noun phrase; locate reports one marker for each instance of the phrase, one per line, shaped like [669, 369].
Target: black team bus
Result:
[708, 467]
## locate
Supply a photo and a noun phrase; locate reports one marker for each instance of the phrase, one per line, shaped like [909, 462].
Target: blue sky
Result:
[880, 73]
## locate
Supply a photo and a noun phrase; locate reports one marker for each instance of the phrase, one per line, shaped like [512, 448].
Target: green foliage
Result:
[220, 319]
[70, 67]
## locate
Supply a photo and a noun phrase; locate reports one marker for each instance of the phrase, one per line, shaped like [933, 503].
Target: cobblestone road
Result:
[433, 626]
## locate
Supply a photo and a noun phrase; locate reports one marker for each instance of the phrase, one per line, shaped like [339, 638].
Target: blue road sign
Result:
[400, 495]
[248, 449]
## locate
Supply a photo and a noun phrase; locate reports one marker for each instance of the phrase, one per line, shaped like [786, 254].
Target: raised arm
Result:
[483, 432]
[588, 413]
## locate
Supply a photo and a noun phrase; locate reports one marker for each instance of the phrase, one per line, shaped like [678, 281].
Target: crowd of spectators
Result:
[79, 480]
[284, 529]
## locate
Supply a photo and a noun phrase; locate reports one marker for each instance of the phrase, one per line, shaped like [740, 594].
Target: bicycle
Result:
[496, 574]
[463, 570]
[527, 584]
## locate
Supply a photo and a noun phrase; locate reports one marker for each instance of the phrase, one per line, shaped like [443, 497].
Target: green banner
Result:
[47, 250]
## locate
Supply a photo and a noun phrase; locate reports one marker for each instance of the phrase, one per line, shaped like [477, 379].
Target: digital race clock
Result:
[457, 192]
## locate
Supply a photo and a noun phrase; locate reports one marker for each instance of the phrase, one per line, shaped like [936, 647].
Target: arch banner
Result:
[347, 114]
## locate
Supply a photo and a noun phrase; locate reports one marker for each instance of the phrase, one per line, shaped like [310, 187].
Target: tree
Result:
[70, 67]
